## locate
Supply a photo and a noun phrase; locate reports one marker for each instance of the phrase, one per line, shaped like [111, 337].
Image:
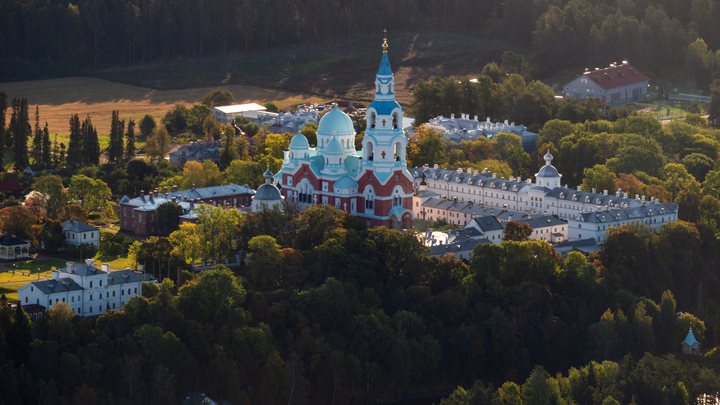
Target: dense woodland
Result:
[50, 37]
[328, 311]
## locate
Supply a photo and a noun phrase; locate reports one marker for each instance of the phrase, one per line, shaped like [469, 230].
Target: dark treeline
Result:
[50, 37]
[328, 311]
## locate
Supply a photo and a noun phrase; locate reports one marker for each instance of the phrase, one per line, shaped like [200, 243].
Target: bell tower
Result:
[385, 141]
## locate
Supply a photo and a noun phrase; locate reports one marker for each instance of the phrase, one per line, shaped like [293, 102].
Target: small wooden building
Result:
[690, 345]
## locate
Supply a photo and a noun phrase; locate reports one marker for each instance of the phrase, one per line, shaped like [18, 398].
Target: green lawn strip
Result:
[44, 266]
[115, 262]
[114, 228]
[10, 290]
[7, 277]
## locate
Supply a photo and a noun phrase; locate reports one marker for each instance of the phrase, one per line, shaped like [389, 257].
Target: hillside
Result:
[334, 67]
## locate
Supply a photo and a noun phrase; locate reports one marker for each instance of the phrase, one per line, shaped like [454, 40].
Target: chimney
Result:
[192, 204]
[593, 191]
[166, 194]
[185, 198]
[55, 275]
[174, 199]
[604, 192]
[625, 195]
[105, 267]
[193, 186]
[637, 197]
[642, 198]
[71, 220]
[165, 190]
[494, 175]
[90, 262]
[174, 189]
[618, 193]
[579, 188]
[69, 266]
[156, 193]
[142, 193]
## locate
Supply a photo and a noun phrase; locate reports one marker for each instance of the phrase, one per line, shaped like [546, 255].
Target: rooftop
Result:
[616, 76]
[238, 108]
[74, 225]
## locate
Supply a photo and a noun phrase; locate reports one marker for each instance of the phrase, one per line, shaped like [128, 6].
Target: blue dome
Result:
[299, 141]
[345, 182]
[335, 122]
[334, 147]
[267, 192]
[548, 171]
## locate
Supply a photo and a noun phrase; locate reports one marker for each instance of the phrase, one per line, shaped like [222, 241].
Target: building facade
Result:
[76, 233]
[226, 114]
[372, 183]
[138, 214]
[616, 84]
[196, 152]
[87, 290]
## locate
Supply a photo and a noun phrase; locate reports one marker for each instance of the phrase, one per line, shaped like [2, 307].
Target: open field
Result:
[665, 108]
[61, 98]
[7, 277]
[10, 291]
[42, 267]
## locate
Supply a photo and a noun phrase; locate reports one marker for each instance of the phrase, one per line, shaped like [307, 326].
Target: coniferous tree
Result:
[46, 145]
[61, 159]
[37, 149]
[91, 143]
[130, 140]
[75, 147]
[115, 145]
[20, 136]
[3, 133]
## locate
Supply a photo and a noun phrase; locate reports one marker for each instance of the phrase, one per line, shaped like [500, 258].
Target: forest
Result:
[661, 37]
[329, 311]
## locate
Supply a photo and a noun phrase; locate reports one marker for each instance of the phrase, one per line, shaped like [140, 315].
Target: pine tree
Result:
[91, 144]
[3, 133]
[37, 150]
[20, 137]
[115, 150]
[46, 145]
[56, 153]
[130, 140]
[62, 154]
[75, 147]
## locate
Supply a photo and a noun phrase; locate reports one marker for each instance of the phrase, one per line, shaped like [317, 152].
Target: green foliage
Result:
[176, 119]
[218, 98]
[94, 194]
[167, 217]
[147, 125]
[271, 107]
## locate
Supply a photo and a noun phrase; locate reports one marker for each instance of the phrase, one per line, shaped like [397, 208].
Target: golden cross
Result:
[385, 44]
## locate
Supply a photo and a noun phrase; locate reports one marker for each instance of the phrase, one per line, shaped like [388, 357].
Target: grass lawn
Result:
[114, 228]
[10, 290]
[44, 265]
[6, 277]
[115, 262]
[666, 108]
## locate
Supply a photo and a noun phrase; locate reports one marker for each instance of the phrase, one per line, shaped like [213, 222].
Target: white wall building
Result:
[467, 129]
[594, 224]
[77, 233]
[87, 290]
[544, 196]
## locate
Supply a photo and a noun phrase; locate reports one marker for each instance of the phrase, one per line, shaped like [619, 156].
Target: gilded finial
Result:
[385, 44]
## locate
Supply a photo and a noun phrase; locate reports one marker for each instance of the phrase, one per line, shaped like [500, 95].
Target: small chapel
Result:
[371, 183]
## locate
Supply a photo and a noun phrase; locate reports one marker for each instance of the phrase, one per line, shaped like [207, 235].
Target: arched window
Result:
[395, 121]
[369, 155]
[372, 120]
[369, 200]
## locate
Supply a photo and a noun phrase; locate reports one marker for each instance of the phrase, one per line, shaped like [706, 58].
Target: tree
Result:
[689, 206]
[198, 175]
[218, 98]
[271, 107]
[17, 221]
[93, 194]
[218, 228]
[554, 130]
[541, 389]
[71, 211]
[3, 130]
[147, 125]
[167, 217]
[197, 116]
[517, 232]
[714, 107]
[37, 144]
[243, 172]
[229, 152]
[46, 146]
[116, 149]
[698, 165]
[628, 183]
[264, 259]
[431, 146]
[599, 177]
[158, 145]
[21, 130]
[187, 242]
[310, 132]
[75, 146]
[214, 293]
[51, 187]
[275, 144]
[90, 143]
[130, 140]
[501, 169]
[176, 119]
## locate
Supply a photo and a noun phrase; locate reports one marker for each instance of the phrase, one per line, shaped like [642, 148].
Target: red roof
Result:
[10, 185]
[616, 76]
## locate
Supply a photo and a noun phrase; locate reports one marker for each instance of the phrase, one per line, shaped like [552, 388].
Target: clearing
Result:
[10, 291]
[41, 267]
[61, 98]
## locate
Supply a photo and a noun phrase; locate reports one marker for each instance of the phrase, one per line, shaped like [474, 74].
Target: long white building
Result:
[87, 290]
[440, 189]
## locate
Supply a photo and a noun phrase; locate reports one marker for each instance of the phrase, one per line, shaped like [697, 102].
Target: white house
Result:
[489, 227]
[594, 224]
[87, 290]
[77, 233]
[616, 84]
[545, 227]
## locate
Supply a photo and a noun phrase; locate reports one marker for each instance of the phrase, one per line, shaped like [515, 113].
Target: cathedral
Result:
[372, 183]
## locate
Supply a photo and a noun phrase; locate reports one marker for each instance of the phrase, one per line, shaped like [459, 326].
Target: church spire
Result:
[385, 44]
